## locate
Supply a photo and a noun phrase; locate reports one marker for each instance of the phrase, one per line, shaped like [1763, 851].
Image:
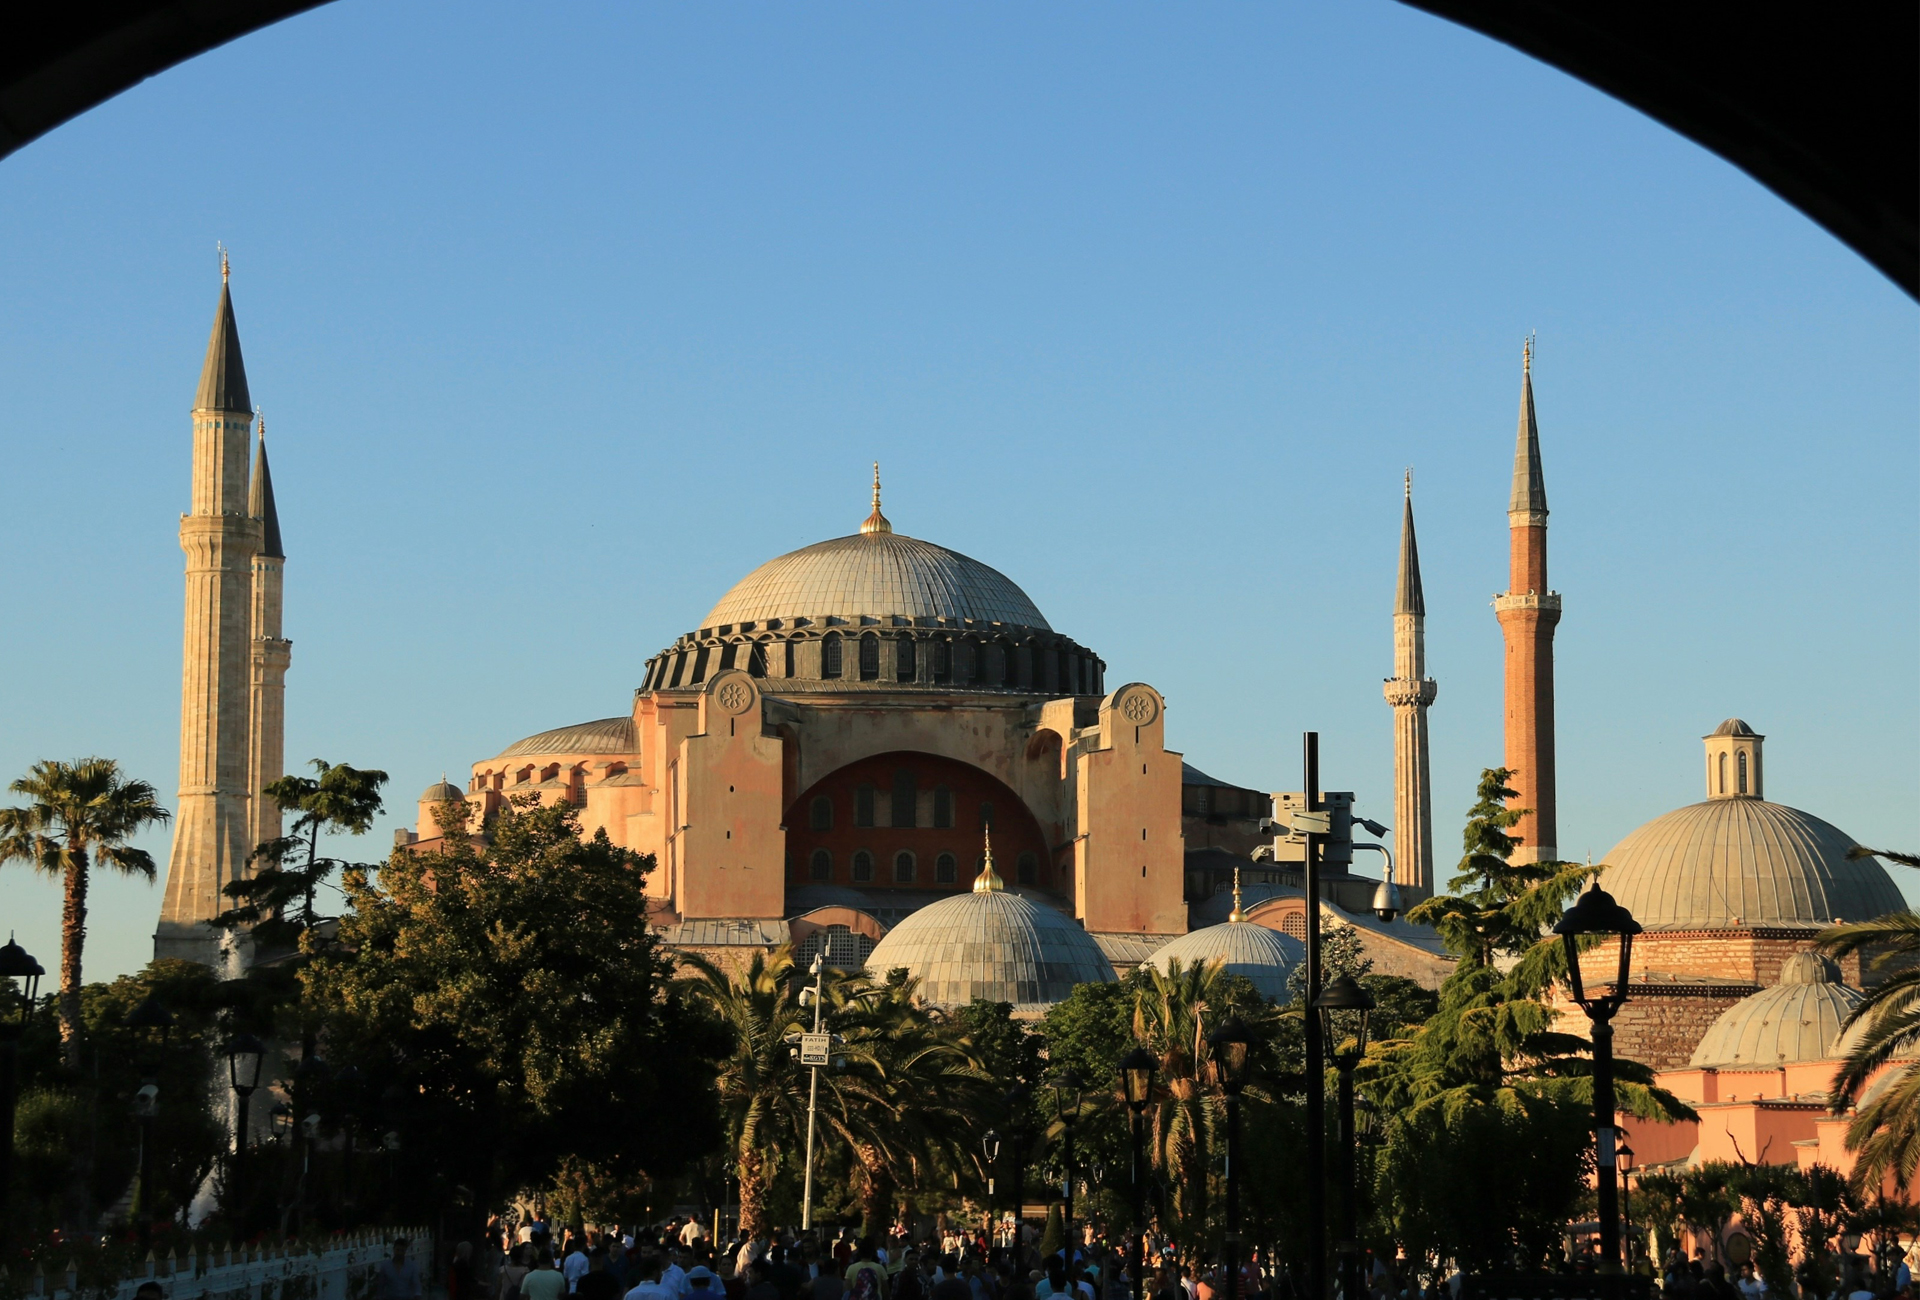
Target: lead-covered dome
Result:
[876, 575]
[1745, 862]
[1265, 956]
[994, 945]
[1797, 1019]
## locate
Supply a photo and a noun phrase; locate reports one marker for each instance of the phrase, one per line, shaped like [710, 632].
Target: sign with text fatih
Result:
[814, 1048]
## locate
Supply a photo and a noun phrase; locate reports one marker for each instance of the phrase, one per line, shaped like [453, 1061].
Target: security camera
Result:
[146, 1102]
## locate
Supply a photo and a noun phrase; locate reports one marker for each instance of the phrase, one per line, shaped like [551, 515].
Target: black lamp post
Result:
[1068, 1092]
[1230, 1043]
[1597, 914]
[245, 1053]
[990, 1151]
[1137, 1069]
[151, 1024]
[1345, 995]
[15, 964]
[1016, 1100]
[1624, 1155]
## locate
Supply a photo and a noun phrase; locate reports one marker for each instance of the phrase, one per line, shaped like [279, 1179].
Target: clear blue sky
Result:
[564, 317]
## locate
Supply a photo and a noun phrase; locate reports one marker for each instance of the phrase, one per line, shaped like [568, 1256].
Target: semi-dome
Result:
[991, 944]
[604, 736]
[1265, 956]
[1797, 1019]
[875, 575]
[441, 791]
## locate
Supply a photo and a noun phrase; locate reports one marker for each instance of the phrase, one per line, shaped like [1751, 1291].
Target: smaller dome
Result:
[1797, 1019]
[441, 791]
[1263, 955]
[1734, 727]
[995, 945]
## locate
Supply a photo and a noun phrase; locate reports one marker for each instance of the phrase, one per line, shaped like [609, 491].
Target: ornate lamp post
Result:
[1015, 1099]
[151, 1024]
[1624, 1155]
[1137, 1069]
[1068, 1093]
[1346, 995]
[1230, 1042]
[1597, 914]
[990, 1152]
[244, 1056]
[15, 964]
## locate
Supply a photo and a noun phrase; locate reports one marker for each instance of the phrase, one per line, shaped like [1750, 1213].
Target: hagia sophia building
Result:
[879, 749]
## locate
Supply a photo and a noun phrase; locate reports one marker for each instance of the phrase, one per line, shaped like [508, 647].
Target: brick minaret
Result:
[270, 653]
[1410, 691]
[1528, 611]
[220, 538]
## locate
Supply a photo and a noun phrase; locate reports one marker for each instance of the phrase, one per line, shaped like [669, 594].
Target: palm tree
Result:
[1170, 1020]
[1885, 1133]
[81, 813]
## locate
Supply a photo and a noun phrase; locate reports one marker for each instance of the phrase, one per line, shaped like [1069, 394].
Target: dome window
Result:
[757, 660]
[869, 658]
[821, 867]
[904, 666]
[946, 871]
[1740, 761]
[829, 655]
[903, 868]
[863, 868]
[820, 815]
[1027, 867]
[699, 667]
[942, 660]
[863, 805]
[727, 653]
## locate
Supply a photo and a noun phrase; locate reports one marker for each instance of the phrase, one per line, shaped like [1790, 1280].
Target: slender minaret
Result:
[1410, 691]
[270, 654]
[1528, 611]
[220, 538]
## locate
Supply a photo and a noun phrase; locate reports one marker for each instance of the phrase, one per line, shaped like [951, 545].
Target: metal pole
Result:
[1349, 1245]
[146, 1184]
[1316, 1047]
[240, 1163]
[1138, 1261]
[813, 1101]
[1233, 1197]
[1066, 1245]
[1603, 1136]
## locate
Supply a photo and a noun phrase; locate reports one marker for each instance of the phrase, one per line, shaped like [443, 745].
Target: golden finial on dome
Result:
[876, 522]
[223, 261]
[1236, 914]
[1526, 355]
[987, 882]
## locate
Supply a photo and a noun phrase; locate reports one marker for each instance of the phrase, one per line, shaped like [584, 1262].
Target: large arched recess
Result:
[1021, 853]
[1820, 103]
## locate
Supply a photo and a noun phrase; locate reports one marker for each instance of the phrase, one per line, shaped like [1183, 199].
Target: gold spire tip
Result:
[225, 269]
[1526, 355]
[1409, 482]
[876, 522]
[988, 881]
[1238, 914]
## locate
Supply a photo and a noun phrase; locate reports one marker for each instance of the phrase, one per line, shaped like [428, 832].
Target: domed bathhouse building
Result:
[1729, 891]
[1263, 955]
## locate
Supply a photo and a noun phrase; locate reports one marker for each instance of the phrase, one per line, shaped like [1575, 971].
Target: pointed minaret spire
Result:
[223, 376]
[260, 496]
[988, 881]
[1529, 480]
[1410, 691]
[876, 522]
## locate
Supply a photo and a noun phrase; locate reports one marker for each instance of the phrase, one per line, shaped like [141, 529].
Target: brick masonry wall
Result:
[1661, 1029]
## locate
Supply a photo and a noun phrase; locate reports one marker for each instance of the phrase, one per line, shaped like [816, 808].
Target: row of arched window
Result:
[962, 662]
[903, 809]
[906, 867]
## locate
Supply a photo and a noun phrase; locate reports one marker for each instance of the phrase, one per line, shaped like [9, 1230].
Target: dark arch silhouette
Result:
[1820, 103]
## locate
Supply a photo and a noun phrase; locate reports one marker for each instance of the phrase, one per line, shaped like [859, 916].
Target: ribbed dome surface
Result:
[606, 736]
[1797, 1019]
[1731, 862]
[993, 945]
[875, 575]
[441, 791]
[1264, 955]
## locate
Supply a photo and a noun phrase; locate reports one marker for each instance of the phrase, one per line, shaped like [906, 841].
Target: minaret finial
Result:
[1526, 355]
[1237, 914]
[225, 269]
[876, 522]
[988, 882]
[1409, 482]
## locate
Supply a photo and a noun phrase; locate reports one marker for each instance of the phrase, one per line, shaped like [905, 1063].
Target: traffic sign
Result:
[815, 1049]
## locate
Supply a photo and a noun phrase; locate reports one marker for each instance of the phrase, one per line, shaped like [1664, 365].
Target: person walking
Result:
[397, 1278]
[543, 1281]
[511, 1273]
[647, 1286]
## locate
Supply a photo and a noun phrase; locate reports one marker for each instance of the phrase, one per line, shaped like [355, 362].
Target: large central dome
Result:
[875, 575]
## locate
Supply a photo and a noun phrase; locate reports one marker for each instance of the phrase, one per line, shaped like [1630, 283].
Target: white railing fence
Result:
[341, 1270]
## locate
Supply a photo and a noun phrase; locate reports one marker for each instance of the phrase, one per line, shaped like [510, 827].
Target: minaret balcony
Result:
[1406, 692]
[1527, 600]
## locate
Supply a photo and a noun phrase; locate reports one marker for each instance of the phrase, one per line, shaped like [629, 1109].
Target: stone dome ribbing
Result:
[994, 945]
[1797, 1019]
[1744, 862]
[1265, 956]
[875, 575]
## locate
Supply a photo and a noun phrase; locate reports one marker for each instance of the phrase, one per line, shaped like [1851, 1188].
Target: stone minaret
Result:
[1528, 611]
[220, 537]
[1410, 691]
[270, 654]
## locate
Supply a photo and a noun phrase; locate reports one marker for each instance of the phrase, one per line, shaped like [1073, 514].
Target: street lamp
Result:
[151, 1025]
[814, 1055]
[1346, 997]
[245, 1053]
[1230, 1043]
[1136, 1076]
[1015, 1101]
[990, 1150]
[1068, 1093]
[1597, 914]
[1624, 1155]
[15, 964]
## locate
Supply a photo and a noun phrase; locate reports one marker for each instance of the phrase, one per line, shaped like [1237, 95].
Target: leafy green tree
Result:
[1764, 1194]
[498, 996]
[79, 815]
[277, 903]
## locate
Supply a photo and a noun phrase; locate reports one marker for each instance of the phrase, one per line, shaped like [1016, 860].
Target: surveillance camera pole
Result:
[818, 970]
[1316, 1045]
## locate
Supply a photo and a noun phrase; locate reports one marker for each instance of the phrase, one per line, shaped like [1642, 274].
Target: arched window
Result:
[1029, 868]
[863, 805]
[727, 653]
[945, 870]
[1295, 924]
[830, 655]
[757, 660]
[863, 868]
[904, 797]
[789, 657]
[1009, 665]
[679, 666]
[903, 868]
[1723, 774]
[822, 865]
[942, 808]
[821, 814]
[989, 664]
[942, 659]
[905, 665]
[986, 816]
[869, 658]
[1740, 764]
[699, 666]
